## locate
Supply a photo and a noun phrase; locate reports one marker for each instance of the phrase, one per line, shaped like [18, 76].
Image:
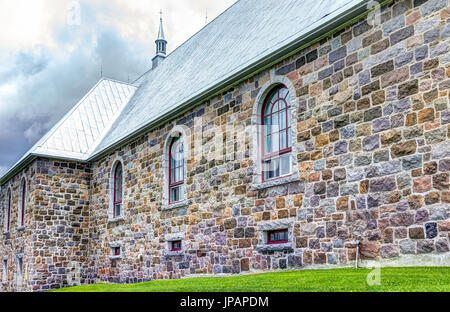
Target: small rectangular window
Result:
[116, 251]
[277, 237]
[176, 245]
[5, 271]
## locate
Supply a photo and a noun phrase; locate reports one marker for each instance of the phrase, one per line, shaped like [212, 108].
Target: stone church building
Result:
[288, 134]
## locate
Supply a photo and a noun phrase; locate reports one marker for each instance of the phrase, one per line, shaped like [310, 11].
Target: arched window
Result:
[277, 138]
[23, 203]
[8, 211]
[176, 171]
[118, 187]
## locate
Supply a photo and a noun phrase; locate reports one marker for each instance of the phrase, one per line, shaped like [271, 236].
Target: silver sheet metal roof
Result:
[249, 30]
[82, 129]
[246, 33]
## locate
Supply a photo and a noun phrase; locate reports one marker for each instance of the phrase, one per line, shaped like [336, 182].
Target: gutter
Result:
[339, 22]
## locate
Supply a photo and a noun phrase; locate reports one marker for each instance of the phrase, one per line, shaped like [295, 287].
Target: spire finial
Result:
[161, 28]
[161, 42]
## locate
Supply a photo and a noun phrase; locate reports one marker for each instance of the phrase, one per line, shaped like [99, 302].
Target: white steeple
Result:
[161, 44]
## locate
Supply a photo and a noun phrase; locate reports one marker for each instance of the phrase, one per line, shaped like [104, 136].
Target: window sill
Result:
[275, 247]
[115, 220]
[115, 257]
[182, 204]
[170, 253]
[273, 183]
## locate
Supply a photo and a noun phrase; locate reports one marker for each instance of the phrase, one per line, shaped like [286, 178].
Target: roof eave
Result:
[282, 53]
[28, 160]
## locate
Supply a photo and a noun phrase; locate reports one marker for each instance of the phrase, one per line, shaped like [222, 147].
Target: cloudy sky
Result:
[52, 51]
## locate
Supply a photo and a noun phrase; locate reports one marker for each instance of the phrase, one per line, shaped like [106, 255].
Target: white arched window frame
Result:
[116, 191]
[21, 212]
[7, 212]
[175, 168]
[259, 131]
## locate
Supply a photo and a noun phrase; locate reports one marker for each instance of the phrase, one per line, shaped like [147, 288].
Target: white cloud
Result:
[47, 65]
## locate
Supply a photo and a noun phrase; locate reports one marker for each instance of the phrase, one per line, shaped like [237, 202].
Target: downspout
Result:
[357, 252]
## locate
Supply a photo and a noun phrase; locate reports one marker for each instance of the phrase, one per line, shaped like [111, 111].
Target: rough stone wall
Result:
[372, 149]
[54, 241]
[373, 155]
[18, 241]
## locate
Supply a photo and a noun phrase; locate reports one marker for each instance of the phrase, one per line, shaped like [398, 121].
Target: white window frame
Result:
[112, 247]
[257, 133]
[184, 133]
[23, 202]
[111, 207]
[170, 238]
[268, 226]
[7, 211]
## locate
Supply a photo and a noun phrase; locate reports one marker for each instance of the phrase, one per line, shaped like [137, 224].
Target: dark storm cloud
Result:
[47, 80]
[50, 83]
[26, 64]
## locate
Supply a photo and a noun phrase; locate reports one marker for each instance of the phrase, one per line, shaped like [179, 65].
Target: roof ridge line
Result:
[112, 121]
[118, 81]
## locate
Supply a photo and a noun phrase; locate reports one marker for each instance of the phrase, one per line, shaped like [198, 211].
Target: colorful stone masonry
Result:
[373, 160]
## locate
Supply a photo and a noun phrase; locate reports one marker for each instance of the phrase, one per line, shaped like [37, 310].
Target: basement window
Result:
[277, 237]
[116, 251]
[176, 245]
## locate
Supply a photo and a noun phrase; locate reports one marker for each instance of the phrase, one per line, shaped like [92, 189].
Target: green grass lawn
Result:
[336, 280]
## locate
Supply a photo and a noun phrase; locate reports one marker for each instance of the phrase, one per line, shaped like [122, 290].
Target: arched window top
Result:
[277, 138]
[277, 99]
[118, 190]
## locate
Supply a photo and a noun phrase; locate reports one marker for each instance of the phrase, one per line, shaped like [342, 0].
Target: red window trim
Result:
[24, 193]
[287, 150]
[178, 183]
[274, 242]
[173, 245]
[115, 201]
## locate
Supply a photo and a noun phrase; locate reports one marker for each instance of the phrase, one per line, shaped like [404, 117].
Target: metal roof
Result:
[235, 42]
[246, 32]
[81, 129]
[79, 132]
